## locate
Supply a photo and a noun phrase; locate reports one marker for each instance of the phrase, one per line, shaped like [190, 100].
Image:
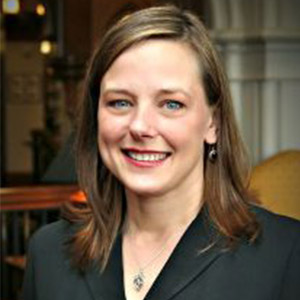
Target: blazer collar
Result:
[185, 263]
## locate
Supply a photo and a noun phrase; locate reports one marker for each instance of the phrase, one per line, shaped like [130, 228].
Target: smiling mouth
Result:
[141, 156]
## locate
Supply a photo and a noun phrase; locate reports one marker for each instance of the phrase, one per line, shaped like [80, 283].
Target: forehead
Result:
[161, 58]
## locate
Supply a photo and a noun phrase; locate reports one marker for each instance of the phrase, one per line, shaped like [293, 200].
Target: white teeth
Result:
[147, 157]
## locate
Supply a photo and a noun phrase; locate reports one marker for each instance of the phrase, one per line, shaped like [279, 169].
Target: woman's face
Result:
[153, 118]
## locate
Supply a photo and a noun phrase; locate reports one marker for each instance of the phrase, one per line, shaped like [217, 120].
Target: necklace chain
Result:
[139, 278]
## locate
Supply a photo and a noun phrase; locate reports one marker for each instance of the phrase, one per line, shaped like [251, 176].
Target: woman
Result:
[163, 168]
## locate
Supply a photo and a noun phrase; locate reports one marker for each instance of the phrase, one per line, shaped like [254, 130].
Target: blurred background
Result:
[45, 47]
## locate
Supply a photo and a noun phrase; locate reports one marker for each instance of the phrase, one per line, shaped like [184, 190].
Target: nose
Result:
[142, 124]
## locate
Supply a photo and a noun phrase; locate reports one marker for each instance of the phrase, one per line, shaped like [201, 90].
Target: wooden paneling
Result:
[36, 197]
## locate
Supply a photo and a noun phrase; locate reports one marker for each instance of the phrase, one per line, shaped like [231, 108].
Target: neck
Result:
[163, 214]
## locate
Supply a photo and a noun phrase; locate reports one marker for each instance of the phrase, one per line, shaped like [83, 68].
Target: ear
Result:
[211, 133]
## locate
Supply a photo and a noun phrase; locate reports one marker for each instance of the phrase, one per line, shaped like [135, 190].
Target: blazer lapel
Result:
[109, 283]
[187, 261]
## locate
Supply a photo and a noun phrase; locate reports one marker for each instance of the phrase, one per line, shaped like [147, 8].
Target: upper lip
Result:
[143, 151]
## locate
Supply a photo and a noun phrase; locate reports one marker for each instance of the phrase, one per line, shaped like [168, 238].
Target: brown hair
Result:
[225, 190]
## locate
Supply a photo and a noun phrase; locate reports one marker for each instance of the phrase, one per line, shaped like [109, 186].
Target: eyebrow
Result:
[174, 91]
[117, 91]
[161, 91]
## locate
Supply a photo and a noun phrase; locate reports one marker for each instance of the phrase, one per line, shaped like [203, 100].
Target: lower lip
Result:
[144, 164]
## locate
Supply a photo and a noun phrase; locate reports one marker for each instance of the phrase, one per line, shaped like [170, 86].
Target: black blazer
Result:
[266, 270]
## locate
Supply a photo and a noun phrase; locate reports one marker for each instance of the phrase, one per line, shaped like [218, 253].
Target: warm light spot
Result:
[11, 6]
[40, 9]
[46, 47]
[78, 196]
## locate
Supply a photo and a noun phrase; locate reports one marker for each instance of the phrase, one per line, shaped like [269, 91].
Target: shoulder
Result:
[277, 232]
[50, 240]
[53, 232]
[278, 252]
[49, 272]
[271, 222]
[49, 250]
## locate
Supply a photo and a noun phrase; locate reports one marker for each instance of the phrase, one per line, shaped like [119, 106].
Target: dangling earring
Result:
[212, 153]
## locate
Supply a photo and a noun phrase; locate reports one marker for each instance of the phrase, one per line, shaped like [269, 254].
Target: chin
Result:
[146, 191]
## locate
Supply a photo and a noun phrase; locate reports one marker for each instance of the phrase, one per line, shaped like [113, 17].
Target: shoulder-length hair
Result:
[225, 179]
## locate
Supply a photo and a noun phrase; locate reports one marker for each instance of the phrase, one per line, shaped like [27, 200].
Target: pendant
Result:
[138, 281]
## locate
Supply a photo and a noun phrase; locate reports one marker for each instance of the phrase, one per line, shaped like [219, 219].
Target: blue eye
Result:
[173, 105]
[119, 104]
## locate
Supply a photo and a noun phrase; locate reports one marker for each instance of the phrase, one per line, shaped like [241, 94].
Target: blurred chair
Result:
[276, 181]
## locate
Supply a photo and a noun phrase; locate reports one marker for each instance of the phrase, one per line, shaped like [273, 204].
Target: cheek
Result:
[110, 129]
[106, 136]
[185, 132]
[110, 132]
